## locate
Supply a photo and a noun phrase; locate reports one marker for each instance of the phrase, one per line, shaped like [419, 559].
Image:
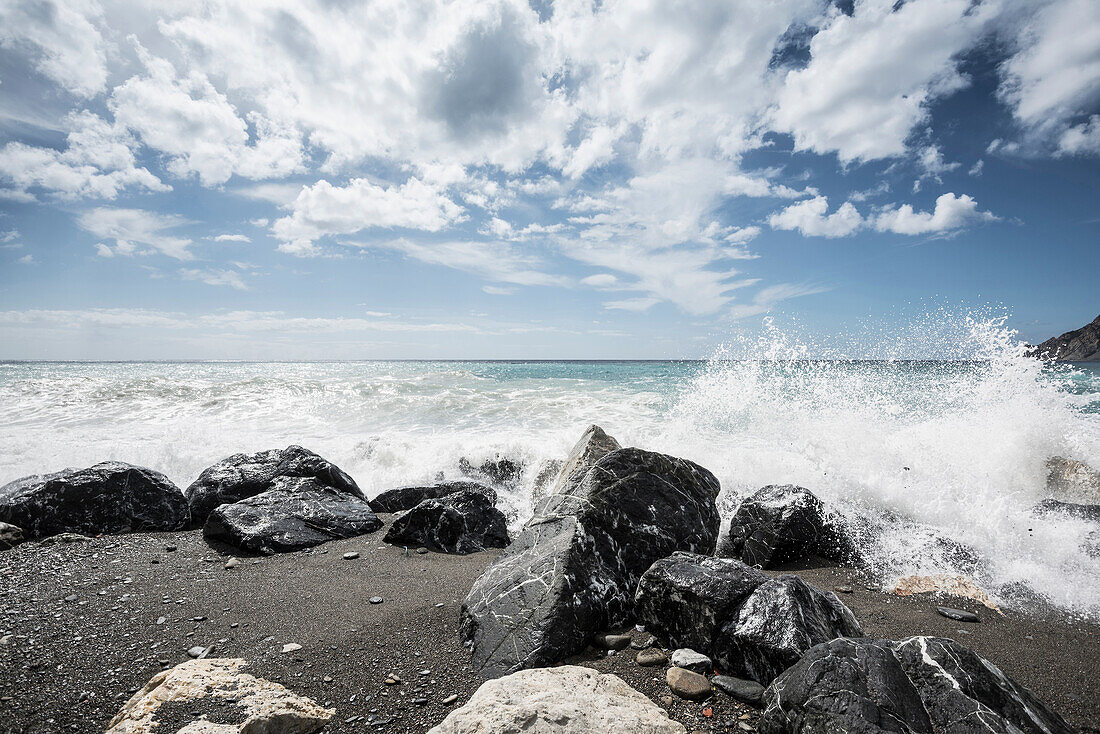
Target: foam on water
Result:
[952, 450]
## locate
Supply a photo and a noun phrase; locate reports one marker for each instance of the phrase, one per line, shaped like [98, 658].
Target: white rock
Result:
[563, 700]
[265, 706]
[291, 647]
[696, 662]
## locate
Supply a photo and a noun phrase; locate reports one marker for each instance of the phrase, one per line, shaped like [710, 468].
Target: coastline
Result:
[70, 665]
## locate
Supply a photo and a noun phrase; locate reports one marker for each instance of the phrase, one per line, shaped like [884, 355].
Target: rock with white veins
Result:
[10, 536]
[915, 686]
[259, 705]
[562, 700]
[593, 446]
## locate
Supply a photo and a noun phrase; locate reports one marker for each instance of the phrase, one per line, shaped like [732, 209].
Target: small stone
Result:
[351, 555]
[161, 620]
[291, 647]
[747, 691]
[327, 679]
[154, 560]
[376, 600]
[424, 672]
[421, 550]
[392, 680]
[232, 563]
[170, 548]
[449, 699]
[958, 615]
[197, 651]
[651, 658]
[421, 701]
[843, 589]
[696, 662]
[689, 685]
[609, 641]
[745, 726]
[71, 597]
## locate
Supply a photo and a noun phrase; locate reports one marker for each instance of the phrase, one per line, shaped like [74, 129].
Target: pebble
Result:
[291, 647]
[376, 600]
[958, 615]
[170, 548]
[197, 651]
[351, 555]
[71, 597]
[651, 658]
[689, 685]
[449, 699]
[392, 680]
[843, 589]
[421, 550]
[610, 641]
[161, 620]
[425, 672]
[689, 659]
[747, 691]
[232, 563]
[421, 701]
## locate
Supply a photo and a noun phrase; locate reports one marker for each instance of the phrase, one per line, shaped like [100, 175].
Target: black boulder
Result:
[406, 498]
[462, 522]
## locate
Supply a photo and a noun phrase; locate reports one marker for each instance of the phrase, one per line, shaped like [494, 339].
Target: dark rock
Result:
[464, 522]
[1090, 513]
[784, 523]
[747, 691]
[499, 470]
[686, 598]
[689, 685]
[610, 641]
[1079, 345]
[406, 498]
[779, 621]
[574, 568]
[246, 475]
[959, 615]
[916, 686]
[111, 497]
[10, 536]
[651, 658]
[592, 446]
[295, 513]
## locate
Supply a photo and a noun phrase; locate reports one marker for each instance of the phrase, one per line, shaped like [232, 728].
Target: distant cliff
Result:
[1080, 345]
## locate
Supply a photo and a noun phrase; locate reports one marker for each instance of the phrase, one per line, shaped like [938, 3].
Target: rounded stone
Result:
[651, 658]
[689, 685]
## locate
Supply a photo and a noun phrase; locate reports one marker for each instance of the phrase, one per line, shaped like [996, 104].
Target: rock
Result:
[242, 476]
[746, 691]
[111, 497]
[463, 522]
[959, 615]
[291, 647]
[10, 536]
[376, 600]
[351, 555]
[1091, 513]
[563, 700]
[843, 589]
[641, 642]
[593, 445]
[686, 598]
[406, 498]
[251, 704]
[919, 685]
[62, 538]
[689, 685]
[1070, 480]
[232, 563]
[500, 470]
[943, 583]
[1079, 345]
[449, 699]
[782, 523]
[573, 570]
[609, 641]
[196, 651]
[651, 658]
[294, 514]
[783, 618]
[696, 662]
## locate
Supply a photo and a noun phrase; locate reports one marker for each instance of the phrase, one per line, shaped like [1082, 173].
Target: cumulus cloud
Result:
[62, 38]
[951, 213]
[810, 218]
[136, 231]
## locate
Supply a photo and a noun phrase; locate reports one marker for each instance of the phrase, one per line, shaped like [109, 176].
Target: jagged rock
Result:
[246, 475]
[942, 583]
[1070, 480]
[783, 523]
[1079, 345]
[406, 498]
[593, 445]
[686, 598]
[499, 470]
[463, 522]
[687, 684]
[254, 704]
[10, 536]
[574, 568]
[1069, 509]
[111, 497]
[563, 700]
[779, 621]
[689, 659]
[748, 691]
[295, 513]
[915, 686]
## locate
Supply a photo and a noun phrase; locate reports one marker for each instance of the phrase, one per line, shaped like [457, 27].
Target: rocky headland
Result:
[1079, 345]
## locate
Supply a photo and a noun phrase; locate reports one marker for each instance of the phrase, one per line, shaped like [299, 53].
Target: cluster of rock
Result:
[1079, 345]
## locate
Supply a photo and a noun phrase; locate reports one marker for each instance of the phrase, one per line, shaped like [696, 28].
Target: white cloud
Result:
[497, 261]
[26, 260]
[211, 276]
[131, 228]
[499, 290]
[951, 213]
[232, 238]
[642, 303]
[67, 46]
[810, 218]
[768, 298]
[1083, 139]
[600, 280]
[932, 164]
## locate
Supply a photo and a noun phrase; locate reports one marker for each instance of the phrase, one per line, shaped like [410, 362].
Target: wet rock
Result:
[10, 536]
[782, 523]
[746, 691]
[959, 615]
[919, 685]
[295, 513]
[252, 704]
[686, 598]
[696, 662]
[651, 658]
[778, 622]
[498, 470]
[111, 497]
[609, 641]
[1090, 513]
[562, 700]
[242, 476]
[406, 498]
[1071, 480]
[463, 522]
[689, 685]
[574, 568]
[593, 445]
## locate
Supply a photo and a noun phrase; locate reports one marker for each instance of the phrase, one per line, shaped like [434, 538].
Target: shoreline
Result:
[71, 665]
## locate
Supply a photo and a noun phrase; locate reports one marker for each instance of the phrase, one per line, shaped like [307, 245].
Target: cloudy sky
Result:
[332, 178]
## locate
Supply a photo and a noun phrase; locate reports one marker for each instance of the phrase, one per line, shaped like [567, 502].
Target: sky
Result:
[330, 179]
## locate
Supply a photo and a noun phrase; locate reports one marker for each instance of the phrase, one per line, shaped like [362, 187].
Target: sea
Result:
[938, 451]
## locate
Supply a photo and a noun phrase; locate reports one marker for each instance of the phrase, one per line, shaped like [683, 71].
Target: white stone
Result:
[265, 706]
[696, 662]
[562, 700]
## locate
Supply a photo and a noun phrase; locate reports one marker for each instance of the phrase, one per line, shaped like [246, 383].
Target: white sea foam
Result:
[940, 449]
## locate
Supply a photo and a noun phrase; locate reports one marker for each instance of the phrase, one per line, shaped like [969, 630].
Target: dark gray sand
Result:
[70, 665]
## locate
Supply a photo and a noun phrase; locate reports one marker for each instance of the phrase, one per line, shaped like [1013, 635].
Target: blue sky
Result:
[554, 180]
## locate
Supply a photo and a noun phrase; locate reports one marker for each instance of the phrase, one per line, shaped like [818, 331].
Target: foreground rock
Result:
[573, 570]
[10, 536]
[784, 523]
[295, 513]
[217, 686]
[593, 446]
[401, 499]
[463, 522]
[246, 475]
[562, 700]
[111, 497]
[920, 685]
